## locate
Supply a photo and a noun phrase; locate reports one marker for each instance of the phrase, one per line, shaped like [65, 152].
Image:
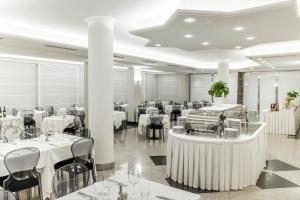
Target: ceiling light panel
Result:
[189, 20]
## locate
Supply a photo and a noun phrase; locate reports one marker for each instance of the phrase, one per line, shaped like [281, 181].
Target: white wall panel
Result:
[168, 88]
[58, 84]
[151, 86]
[232, 84]
[18, 87]
[267, 90]
[200, 84]
[120, 85]
[287, 81]
[250, 91]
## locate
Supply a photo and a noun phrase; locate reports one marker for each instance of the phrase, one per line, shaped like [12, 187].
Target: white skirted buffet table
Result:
[220, 164]
[281, 122]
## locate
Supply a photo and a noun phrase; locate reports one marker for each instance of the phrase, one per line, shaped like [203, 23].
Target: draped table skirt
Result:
[281, 122]
[216, 164]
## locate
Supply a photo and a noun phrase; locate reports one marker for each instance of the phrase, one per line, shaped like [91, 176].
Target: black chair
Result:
[156, 124]
[74, 128]
[160, 107]
[27, 116]
[82, 153]
[196, 105]
[176, 111]
[141, 110]
[21, 165]
[70, 178]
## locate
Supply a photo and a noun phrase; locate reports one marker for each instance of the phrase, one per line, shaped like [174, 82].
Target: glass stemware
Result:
[108, 181]
[133, 179]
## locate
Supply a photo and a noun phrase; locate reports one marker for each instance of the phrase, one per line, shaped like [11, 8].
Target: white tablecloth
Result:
[281, 122]
[216, 164]
[56, 123]
[58, 148]
[185, 113]
[7, 122]
[119, 116]
[144, 121]
[156, 189]
[222, 108]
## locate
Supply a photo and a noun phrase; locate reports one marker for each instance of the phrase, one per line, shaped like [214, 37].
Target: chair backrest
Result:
[39, 108]
[156, 119]
[7, 195]
[50, 110]
[70, 178]
[176, 107]
[77, 122]
[82, 147]
[84, 133]
[20, 160]
[14, 111]
[196, 105]
[71, 110]
[3, 139]
[27, 114]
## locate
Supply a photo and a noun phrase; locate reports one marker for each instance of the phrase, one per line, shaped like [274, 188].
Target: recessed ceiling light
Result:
[263, 61]
[239, 28]
[188, 36]
[250, 38]
[252, 68]
[237, 47]
[189, 20]
[259, 59]
[272, 67]
[205, 43]
[157, 45]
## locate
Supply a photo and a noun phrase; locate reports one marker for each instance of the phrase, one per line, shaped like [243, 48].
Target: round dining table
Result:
[219, 164]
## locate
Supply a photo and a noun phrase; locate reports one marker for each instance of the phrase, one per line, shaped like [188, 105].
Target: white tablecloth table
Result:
[6, 122]
[144, 121]
[222, 108]
[56, 123]
[216, 164]
[185, 113]
[156, 189]
[150, 110]
[281, 122]
[58, 148]
[119, 117]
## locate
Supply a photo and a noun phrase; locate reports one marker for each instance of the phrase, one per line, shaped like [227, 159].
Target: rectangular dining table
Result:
[157, 191]
[57, 148]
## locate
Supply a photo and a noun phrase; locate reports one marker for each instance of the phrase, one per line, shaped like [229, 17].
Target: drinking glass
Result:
[108, 181]
[133, 179]
[145, 190]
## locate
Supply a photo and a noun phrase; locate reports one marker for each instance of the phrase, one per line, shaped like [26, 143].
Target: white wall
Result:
[120, 85]
[201, 83]
[24, 85]
[173, 87]
[18, 86]
[151, 86]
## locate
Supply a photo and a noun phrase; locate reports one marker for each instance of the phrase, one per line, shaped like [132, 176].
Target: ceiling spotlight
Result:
[252, 68]
[272, 67]
[205, 43]
[188, 36]
[189, 20]
[260, 59]
[263, 61]
[157, 45]
[237, 47]
[250, 38]
[239, 28]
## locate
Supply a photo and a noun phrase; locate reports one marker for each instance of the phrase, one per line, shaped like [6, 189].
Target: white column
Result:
[223, 71]
[134, 95]
[86, 92]
[100, 88]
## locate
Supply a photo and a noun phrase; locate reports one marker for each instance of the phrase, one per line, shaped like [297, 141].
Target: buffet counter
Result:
[281, 122]
[220, 164]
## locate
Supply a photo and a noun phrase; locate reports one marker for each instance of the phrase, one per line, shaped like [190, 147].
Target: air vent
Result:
[119, 57]
[59, 47]
[149, 61]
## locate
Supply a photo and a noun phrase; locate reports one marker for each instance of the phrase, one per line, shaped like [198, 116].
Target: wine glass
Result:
[145, 190]
[133, 179]
[108, 181]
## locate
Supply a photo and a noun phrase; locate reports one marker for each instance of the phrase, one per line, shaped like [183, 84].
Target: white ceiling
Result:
[62, 22]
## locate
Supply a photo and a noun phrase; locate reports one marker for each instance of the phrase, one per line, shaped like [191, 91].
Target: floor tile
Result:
[268, 180]
[293, 176]
[277, 165]
[159, 160]
[186, 188]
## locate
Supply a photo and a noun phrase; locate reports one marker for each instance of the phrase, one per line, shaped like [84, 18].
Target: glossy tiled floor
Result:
[279, 181]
